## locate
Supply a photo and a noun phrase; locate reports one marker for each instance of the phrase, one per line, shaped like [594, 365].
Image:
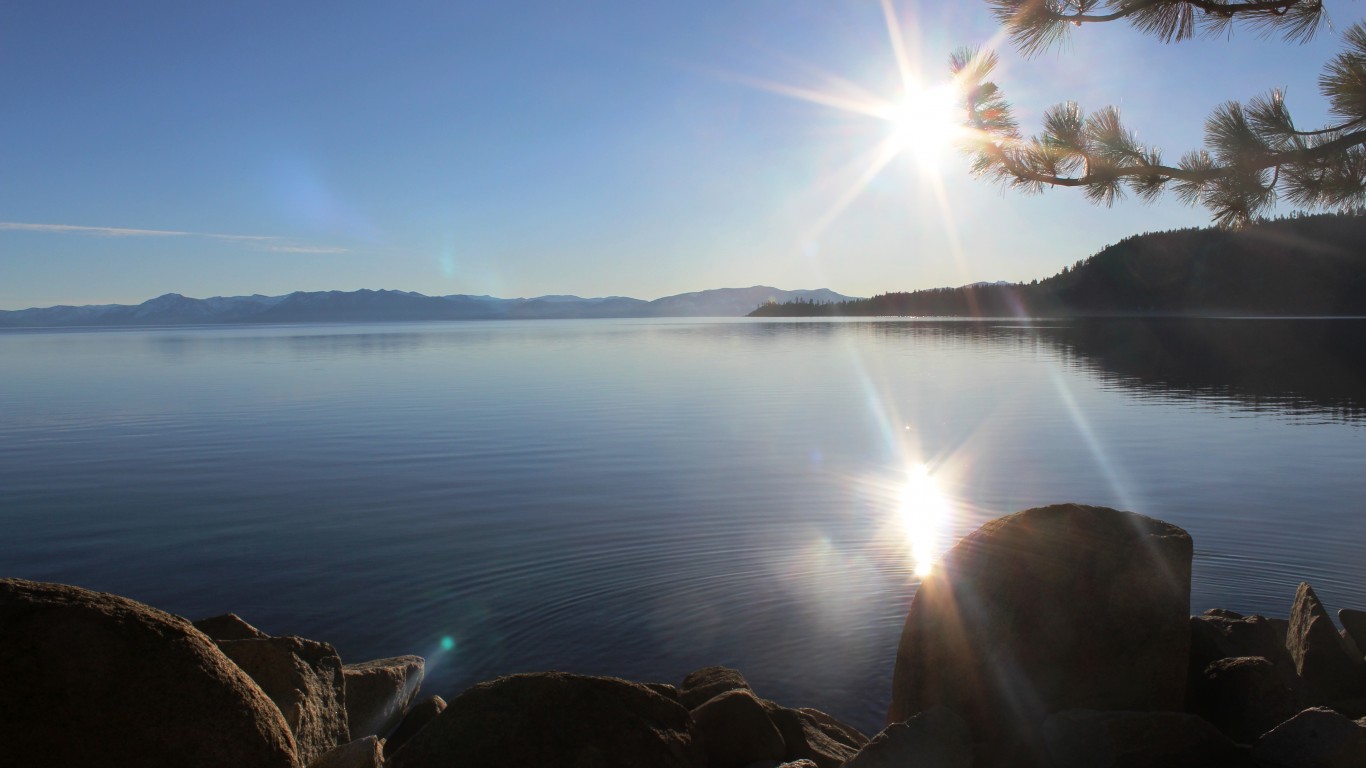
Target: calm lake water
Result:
[644, 497]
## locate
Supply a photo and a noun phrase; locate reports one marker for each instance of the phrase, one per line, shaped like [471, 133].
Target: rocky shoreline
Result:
[1057, 637]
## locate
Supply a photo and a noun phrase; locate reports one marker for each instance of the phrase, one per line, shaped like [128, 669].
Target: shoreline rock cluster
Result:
[1057, 637]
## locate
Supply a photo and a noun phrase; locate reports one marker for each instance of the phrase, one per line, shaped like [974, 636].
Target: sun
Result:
[925, 125]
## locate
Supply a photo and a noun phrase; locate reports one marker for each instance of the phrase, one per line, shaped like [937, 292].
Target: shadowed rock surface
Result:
[304, 679]
[1052, 608]
[937, 738]
[1091, 739]
[735, 731]
[1243, 697]
[810, 734]
[378, 692]
[417, 718]
[1315, 738]
[361, 753]
[552, 718]
[703, 684]
[229, 626]
[92, 679]
[1354, 624]
[1221, 636]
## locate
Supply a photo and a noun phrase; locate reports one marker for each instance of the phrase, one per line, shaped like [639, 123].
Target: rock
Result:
[1221, 613]
[1321, 658]
[552, 718]
[664, 689]
[1052, 608]
[1243, 697]
[417, 718]
[809, 734]
[229, 626]
[1217, 637]
[379, 692]
[361, 753]
[1352, 709]
[1315, 738]
[735, 730]
[937, 738]
[707, 682]
[1091, 739]
[1354, 624]
[88, 678]
[304, 679]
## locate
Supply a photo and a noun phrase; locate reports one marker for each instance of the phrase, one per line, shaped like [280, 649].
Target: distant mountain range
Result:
[376, 306]
[1302, 266]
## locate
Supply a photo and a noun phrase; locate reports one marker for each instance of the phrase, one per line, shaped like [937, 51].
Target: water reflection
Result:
[924, 512]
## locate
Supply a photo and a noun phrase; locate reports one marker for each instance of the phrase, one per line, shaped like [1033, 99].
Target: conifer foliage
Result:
[1254, 153]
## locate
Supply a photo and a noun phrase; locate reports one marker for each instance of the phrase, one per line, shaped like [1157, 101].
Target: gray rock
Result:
[664, 689]
[229, 626]
[1052, 608]
[415, 720]
[707, 682]
[92, 679]
[735, 730]
[1315, 738]
[1218, 637]
[1243, 697]
[379, 692]
[1222, 613]
[810, 734]
[552, 718]
[304, 679]
[937, 738]
[1354, 624]
[361, 753]
[1321, 657]
[1091, 739]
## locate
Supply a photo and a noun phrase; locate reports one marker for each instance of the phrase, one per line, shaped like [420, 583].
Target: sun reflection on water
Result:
[924, 512]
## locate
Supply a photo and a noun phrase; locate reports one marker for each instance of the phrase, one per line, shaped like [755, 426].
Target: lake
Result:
[644, 497]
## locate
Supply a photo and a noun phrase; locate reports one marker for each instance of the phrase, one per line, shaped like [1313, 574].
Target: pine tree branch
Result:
[1110, 173]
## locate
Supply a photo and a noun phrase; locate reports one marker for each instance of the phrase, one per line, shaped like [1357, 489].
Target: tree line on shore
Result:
[1295, 266]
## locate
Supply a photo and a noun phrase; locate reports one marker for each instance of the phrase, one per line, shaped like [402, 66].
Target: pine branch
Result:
[1036, 25]
[1254, 151]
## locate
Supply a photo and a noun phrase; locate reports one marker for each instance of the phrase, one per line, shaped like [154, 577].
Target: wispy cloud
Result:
[266, 242]
[305, 249]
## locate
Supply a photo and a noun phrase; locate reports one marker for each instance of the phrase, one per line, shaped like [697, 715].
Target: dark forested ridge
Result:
[1298, 266]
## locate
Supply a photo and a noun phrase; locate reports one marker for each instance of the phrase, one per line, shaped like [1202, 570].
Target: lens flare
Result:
[924, 513]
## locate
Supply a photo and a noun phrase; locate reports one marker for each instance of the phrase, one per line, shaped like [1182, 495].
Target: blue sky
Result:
[605, 148]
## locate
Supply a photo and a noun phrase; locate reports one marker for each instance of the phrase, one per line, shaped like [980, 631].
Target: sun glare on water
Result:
[924, 511]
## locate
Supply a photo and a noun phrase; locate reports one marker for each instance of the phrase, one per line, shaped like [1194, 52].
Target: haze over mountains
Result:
[371, 306]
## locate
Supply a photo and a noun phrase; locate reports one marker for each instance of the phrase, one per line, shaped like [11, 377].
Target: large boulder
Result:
[379, 692]
[88, 678]
[1091, 739]
[1315, 738]
[735, 730]
[1322, 658]
[304, 679]
[552, 718]
[1053, 608]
